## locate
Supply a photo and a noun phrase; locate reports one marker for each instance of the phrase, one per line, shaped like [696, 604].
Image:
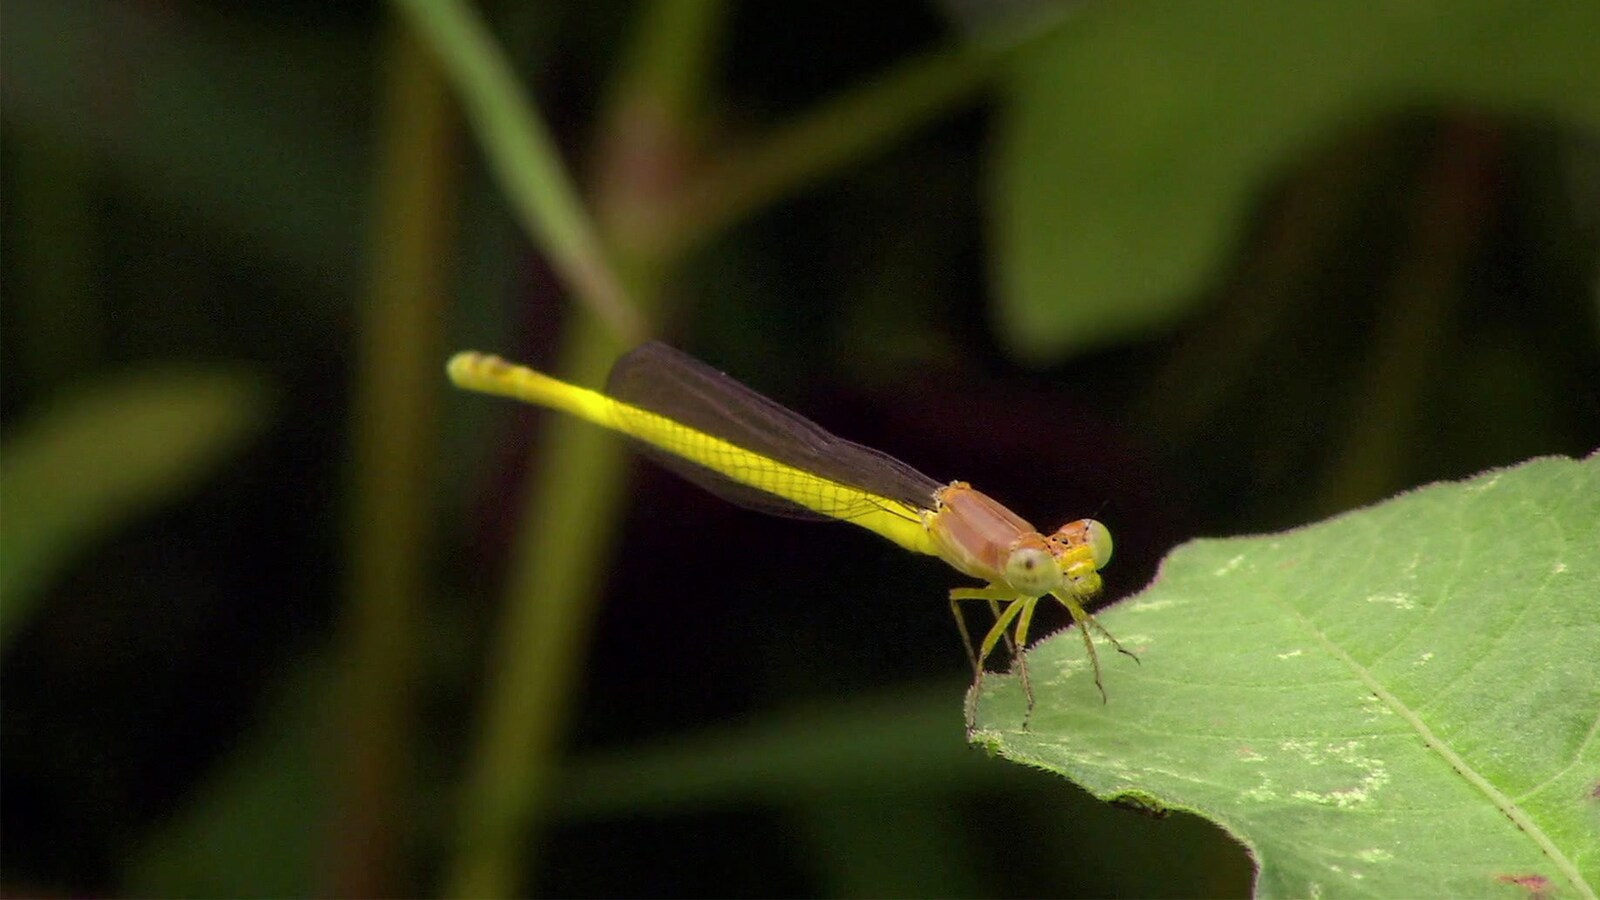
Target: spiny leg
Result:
[1002, 630]
[1001, 624]
[1020, 610]
[989, 640]
[969, 708]
[1011, 647]
[1081, 617]
[1112, 638]
[966, 636]
[1021, 656]
[994, 594]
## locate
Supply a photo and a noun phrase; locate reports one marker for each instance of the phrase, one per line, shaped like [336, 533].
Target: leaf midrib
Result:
[1504, 803]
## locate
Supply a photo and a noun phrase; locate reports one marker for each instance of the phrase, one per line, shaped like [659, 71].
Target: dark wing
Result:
[665, 381]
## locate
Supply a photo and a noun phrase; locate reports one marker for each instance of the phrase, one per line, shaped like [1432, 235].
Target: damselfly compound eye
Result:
[1099, 538]
[1032, 571]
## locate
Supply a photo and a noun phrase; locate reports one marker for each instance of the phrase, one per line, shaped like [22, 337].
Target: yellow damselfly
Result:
[752, 451]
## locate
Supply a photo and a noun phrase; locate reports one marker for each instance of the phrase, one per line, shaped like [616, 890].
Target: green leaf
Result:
[258, 826]
[855, 778]
[204, 122]
[101, 455]
[1400, 701]
[1136, 136]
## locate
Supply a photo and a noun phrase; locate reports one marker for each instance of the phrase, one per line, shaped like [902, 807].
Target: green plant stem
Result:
[643, 161]
[524, 157]
[842, 131]
[396, 420]
[671, 58]
[559, 568]
[560, 556]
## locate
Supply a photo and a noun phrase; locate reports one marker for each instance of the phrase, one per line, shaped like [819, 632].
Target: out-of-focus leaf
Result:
[902, 741]
[262, 132]
[105, 453]
[1401, 701]
[1135, 136]
[255, 828]
[888, 759]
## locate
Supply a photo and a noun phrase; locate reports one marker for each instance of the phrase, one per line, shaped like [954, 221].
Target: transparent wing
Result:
[661, 380]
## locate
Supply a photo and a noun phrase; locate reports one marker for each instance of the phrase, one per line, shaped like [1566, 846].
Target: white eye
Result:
[1032, 571]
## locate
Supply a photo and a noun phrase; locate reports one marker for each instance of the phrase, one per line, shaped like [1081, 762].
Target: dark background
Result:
[194, 182]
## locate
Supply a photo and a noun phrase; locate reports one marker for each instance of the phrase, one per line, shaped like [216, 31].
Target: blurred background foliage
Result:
[1191, 268]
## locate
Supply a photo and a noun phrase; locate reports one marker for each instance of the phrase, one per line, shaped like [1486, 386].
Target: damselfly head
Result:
[1082, 549]
[1086, 533]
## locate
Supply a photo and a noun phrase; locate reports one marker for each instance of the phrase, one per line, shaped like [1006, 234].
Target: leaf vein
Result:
[1505, 804]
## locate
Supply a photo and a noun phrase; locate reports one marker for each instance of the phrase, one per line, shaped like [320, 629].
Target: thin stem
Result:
[818, 144]
[642, 169]
[560, 566]
[672, 57]
[562, 552]
[396, 399]
[524, 158]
